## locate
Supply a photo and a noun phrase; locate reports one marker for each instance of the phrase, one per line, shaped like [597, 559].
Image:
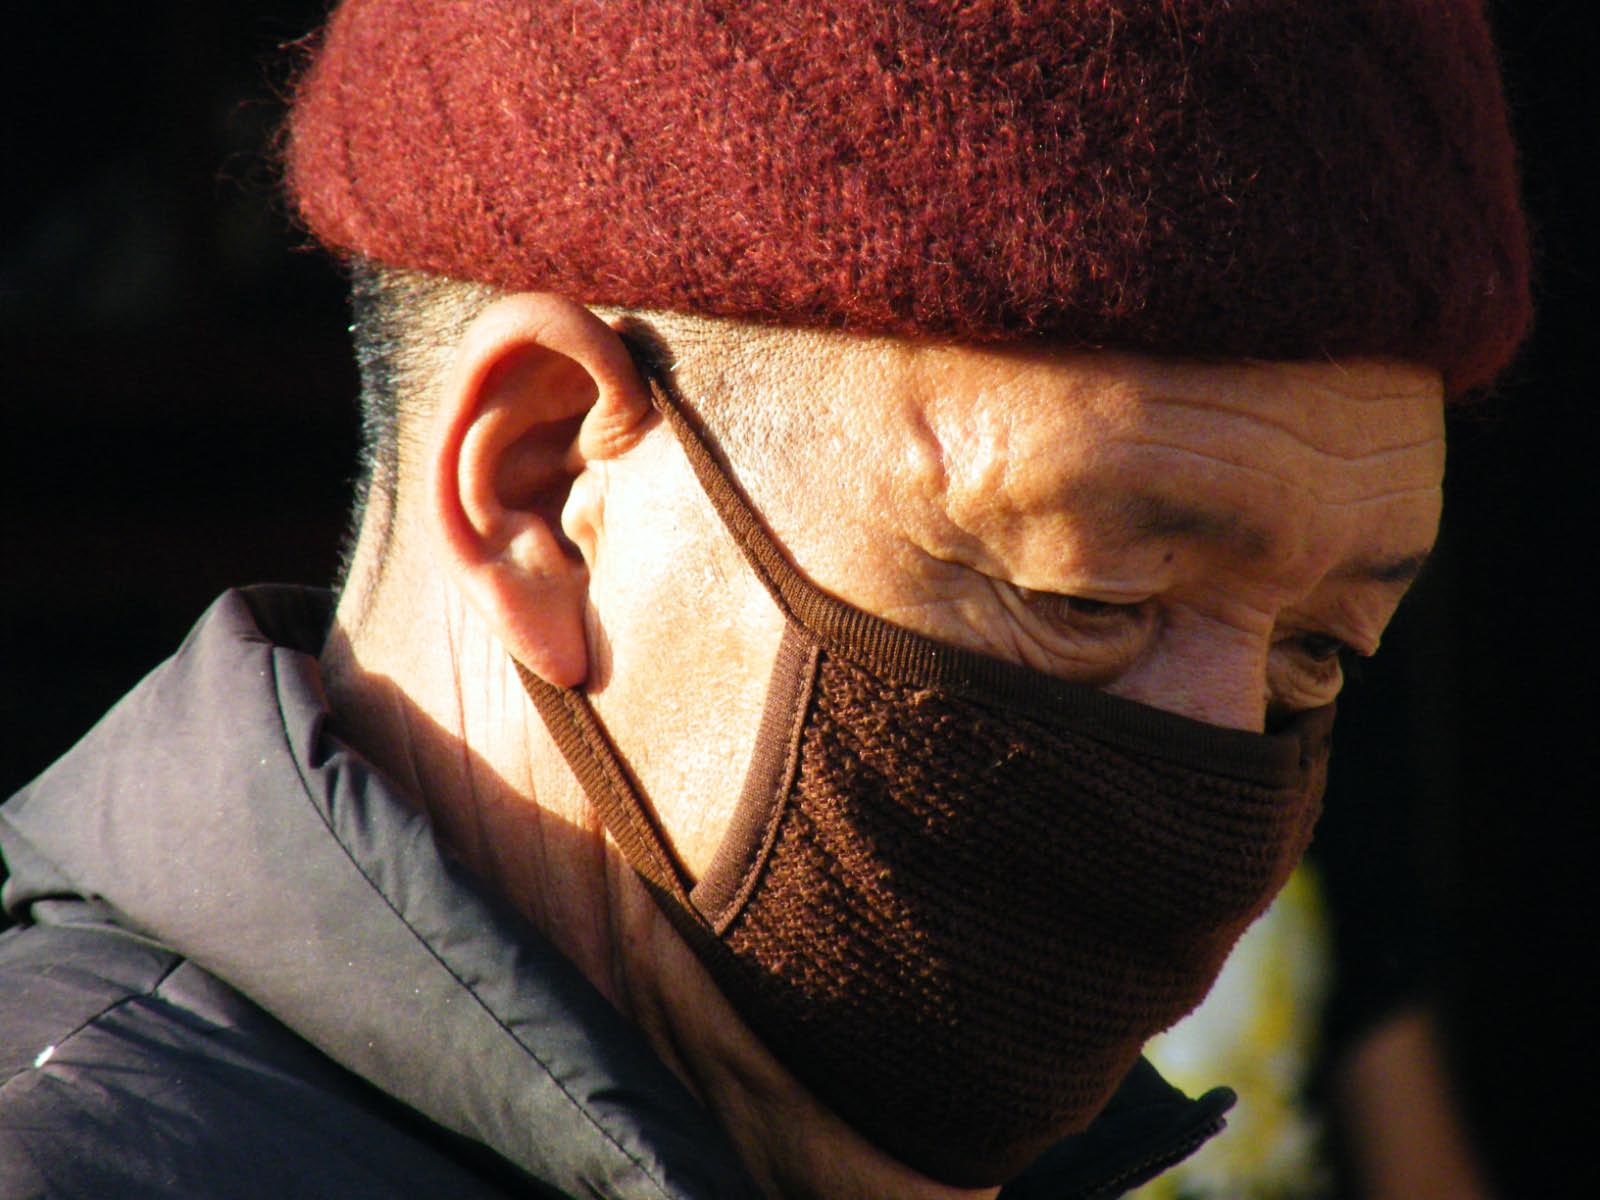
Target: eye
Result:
[1080, 612]
[1322, 647]
[1077, 637]
[1088, 639]
[1307, 670]
[1083, 606]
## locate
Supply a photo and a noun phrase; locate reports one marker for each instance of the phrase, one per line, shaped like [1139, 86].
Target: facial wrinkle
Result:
[1281, 474]
[1300, 435]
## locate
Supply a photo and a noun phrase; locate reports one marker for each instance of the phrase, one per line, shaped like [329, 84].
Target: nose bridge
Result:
[1205, 670]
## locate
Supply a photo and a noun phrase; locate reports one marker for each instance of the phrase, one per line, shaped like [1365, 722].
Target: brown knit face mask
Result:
[958, 895]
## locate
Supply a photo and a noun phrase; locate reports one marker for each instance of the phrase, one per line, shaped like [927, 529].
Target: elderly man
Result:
[865, 507]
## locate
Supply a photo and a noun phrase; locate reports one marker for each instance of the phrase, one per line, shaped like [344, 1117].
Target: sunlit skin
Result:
[1204, 538]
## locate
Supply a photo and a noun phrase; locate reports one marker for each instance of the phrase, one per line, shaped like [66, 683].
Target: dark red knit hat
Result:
[1286, 179]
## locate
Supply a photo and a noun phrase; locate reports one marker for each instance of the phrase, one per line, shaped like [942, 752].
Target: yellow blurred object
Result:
[1257, 1032]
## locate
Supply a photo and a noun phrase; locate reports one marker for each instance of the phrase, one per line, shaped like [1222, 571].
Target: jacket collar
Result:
[216, 809]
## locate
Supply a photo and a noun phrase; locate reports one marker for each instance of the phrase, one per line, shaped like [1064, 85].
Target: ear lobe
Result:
[530, 374]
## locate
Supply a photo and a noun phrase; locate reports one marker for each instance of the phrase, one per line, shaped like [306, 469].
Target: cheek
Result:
[1201, 665]
[688, 639]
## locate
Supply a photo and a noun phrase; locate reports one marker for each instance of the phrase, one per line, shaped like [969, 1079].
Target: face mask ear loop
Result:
[839, 626]
[594, 760]
[582, 740]
[589, 752]
[793, 595]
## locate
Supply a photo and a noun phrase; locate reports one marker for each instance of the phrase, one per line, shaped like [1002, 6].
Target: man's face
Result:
[1203, 538]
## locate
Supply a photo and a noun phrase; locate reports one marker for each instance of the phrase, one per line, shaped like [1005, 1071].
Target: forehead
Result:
[1033, 463]
[1162, 439]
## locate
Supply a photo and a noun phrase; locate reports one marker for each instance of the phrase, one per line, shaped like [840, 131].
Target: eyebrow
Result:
[1400, 570]
[1149, 516]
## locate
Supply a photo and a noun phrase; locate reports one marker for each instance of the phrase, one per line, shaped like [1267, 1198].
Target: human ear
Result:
[539, 392]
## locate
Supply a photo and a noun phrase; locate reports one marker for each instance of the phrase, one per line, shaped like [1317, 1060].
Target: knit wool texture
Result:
[1281, 179]
[890, 987]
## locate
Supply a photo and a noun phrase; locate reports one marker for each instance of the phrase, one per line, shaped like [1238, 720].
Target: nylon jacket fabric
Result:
[242, 967]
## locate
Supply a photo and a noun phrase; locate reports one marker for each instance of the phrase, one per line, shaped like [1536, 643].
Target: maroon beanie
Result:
[1286, 179]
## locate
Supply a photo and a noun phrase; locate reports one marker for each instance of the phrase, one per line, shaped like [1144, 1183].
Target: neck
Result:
[423, 698]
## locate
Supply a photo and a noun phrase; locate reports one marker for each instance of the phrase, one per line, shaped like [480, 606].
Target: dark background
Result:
[178, 418]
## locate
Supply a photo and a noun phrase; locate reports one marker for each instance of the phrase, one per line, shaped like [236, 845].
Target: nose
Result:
[1208, 672]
